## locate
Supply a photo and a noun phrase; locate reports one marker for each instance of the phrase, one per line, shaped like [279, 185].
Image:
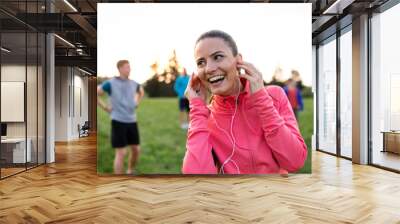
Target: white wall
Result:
[62, 81]
[70, 83]
[80, 96]
[14, 73]
[12, 93]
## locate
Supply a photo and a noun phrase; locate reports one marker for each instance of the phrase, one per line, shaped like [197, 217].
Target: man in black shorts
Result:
[124, 95]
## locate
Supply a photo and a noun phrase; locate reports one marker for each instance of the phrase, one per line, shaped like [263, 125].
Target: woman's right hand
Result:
[195, 89]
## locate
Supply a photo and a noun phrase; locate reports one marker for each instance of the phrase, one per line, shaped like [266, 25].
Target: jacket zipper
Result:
[252, 160]
[251, 150]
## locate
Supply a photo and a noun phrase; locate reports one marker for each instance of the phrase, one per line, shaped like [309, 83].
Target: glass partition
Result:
[385, 89]
[14, 150]
[327, 96]
[22, 87]
[346, 94]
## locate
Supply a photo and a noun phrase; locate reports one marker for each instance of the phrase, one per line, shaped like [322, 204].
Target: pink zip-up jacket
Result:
[265, 131]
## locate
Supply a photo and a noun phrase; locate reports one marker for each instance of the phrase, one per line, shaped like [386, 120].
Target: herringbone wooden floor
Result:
[70, 191]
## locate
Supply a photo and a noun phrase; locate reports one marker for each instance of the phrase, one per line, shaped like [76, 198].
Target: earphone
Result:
[231, 137]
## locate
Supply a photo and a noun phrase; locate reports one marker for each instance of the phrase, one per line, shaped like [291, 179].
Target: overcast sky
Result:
[267, 35]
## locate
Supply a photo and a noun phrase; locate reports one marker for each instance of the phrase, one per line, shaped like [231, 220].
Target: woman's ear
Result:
[239, 57]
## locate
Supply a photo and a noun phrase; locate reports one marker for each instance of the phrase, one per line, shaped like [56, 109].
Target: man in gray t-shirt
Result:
[124, 96]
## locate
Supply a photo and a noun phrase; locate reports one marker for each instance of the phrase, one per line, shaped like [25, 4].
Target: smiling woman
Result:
[247, 128]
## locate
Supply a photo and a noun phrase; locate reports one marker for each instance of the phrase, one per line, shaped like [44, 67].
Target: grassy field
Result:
[163, 142]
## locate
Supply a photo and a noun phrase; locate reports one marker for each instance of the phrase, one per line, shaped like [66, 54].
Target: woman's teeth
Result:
[215, 79]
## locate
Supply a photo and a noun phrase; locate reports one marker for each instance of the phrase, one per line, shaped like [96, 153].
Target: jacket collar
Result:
[227, 103]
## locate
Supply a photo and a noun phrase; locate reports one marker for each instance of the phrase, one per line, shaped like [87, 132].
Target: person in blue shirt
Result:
[180, 86]
[124, 96]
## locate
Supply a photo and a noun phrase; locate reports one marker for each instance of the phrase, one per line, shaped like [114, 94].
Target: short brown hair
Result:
[221, 35]
[120, 63]
[295, 72]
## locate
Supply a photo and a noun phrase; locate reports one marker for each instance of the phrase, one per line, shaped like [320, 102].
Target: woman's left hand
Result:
[252, 75]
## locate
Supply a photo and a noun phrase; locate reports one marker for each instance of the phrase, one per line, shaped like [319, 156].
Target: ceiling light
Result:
[70, 5]
[5, 50]
[84, 71]
[338, 6]
[64, 40]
